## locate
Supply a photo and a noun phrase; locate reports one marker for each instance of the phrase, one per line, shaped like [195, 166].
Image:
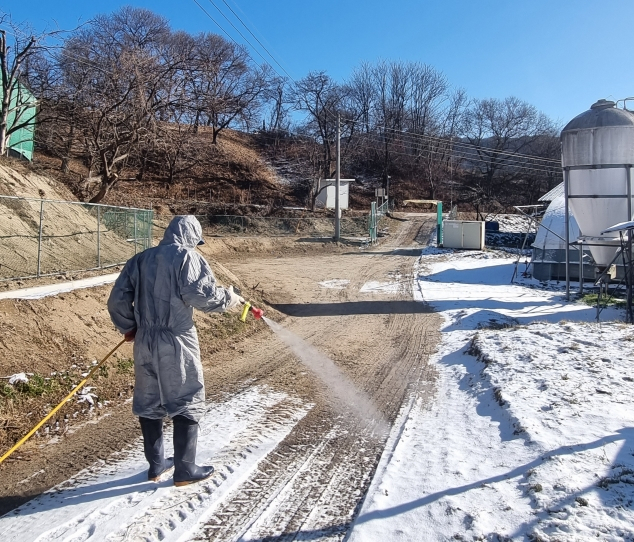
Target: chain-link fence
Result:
[373, 222]
[383, 209]
[232, 225]
[45, 237]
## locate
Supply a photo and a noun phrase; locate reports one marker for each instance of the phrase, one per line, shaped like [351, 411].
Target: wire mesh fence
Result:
[373, 222]
[233, 225]
[383, 209]
[45, 237]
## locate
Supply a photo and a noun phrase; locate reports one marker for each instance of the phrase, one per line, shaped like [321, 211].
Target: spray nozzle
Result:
[257, 313]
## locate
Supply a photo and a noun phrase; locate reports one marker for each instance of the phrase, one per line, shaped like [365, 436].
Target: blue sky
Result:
[559, 55]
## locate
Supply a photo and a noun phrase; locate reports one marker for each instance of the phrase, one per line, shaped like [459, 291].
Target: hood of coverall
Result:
[184, 231]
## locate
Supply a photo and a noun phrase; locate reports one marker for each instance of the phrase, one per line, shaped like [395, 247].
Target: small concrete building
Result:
[327, 192]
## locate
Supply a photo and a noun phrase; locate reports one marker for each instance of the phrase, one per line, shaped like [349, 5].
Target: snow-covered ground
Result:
[515, 223]
[38, 292]
[530, 435]
[114, 501]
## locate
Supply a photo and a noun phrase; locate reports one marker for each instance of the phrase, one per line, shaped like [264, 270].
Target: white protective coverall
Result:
[156, 294]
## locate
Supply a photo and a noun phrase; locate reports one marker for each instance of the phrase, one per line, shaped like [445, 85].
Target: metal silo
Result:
[597, 149]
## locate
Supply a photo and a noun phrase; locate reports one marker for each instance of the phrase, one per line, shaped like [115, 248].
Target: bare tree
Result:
[499, 130]
[399, 104]
[115, 71]
[436, 151]
[319, 96]
[18, 106]
[279, 123]
[363, 95]
[224, 85]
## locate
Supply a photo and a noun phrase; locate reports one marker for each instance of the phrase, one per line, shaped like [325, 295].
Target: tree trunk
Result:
[65, 166]
[3, 131]
[106, 184]
[143, 168]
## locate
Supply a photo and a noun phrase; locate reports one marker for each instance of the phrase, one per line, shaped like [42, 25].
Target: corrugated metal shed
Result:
[24, 105]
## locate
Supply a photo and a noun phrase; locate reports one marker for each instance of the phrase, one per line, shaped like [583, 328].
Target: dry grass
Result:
[232, 172]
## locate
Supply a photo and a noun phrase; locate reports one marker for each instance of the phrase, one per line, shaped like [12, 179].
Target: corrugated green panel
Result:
[21, 141]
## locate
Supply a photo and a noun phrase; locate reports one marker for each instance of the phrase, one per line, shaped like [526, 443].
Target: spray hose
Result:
[67, 398]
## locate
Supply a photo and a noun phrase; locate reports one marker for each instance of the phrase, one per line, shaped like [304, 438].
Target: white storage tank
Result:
[597, 149]
[463, 234]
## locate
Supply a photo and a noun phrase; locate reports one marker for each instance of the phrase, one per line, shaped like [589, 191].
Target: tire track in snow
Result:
[113, 501]
[321, 471]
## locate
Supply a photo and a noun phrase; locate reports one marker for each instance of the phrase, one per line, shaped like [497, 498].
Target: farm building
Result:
[549, 247]
[22, 110]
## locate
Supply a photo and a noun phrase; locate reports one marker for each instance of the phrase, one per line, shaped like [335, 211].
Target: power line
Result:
[242, 35]
[226, 33]
[256, 38]
[413, 136]
[512, 156]
[428, 152]
[467, 152]
[478, 147]
[470, 158]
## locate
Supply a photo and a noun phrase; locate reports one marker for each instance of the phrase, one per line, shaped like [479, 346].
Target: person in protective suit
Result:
[152, 304]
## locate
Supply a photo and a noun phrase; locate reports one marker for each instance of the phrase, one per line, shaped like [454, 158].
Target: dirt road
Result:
[378, 335]
[357, 307]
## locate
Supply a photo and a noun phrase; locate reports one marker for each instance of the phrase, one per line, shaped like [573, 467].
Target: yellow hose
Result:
[67, 398]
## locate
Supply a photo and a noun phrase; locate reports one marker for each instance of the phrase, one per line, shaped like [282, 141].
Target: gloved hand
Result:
[129, 336]
[235, 300]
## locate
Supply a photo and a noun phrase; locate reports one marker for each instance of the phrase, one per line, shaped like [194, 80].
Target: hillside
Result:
[242, 174]
[233, 172]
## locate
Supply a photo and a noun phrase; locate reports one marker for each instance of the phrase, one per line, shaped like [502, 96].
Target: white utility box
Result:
[463, 234]
[327, 191]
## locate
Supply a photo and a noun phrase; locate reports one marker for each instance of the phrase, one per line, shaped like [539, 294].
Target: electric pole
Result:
[338, 183]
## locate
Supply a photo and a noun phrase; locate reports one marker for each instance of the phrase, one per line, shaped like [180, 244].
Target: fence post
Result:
[99, 236]
[372, 222]
[145, 229]
[135, 231]
[439, 241]
[39, 240]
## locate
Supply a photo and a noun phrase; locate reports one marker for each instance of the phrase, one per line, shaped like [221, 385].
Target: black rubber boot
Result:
[185, 440]
[153, 447]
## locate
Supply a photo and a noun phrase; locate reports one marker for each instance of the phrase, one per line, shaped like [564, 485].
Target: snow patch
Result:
[380, 287]
[114, 501]
[38, 292]
[530, 434]
[18, 377]
[335, 284]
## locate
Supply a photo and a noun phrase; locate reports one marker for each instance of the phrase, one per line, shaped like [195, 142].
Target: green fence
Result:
[373, 222]
[46, 237]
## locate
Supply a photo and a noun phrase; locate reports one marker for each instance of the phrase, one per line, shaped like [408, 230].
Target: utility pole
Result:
[387, 191]
[338, 183]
